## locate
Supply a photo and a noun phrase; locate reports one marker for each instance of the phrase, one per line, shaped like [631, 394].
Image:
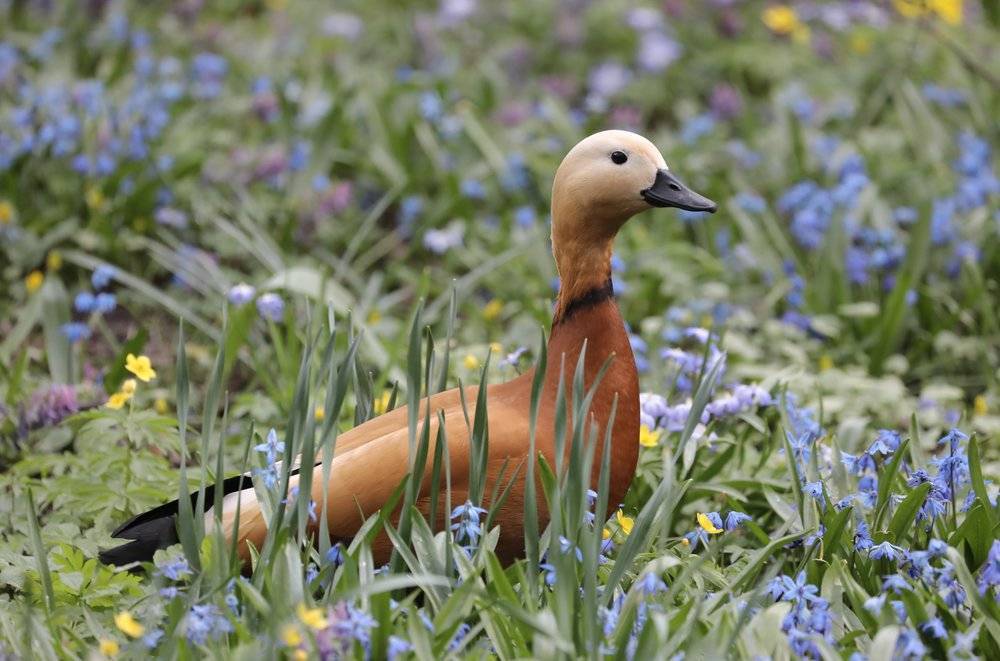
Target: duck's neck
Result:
[587, 314]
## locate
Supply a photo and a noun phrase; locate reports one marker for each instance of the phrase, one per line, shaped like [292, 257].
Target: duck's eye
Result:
[619, 157]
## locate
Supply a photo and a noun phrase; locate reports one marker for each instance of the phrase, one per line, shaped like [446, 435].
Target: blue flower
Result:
[886, 442]
[857, 464]
[895, 582]
[84, 302]
[885, 551]
[814, 490]
[525, 216]
[550, 573]
[152, 638]
[270, 306]
[953, 439]
[467, 526]
[798, 590]
[651, 584]
[335, 555]
[909, 645]
[271, 446]
[934, 627]
[397, 647]
[989, 576]
[75, 331]
[862, 538]
[269, 475]
[105, 303]
[473, 189]
[565, 546]
[205, 621]
[735, 519]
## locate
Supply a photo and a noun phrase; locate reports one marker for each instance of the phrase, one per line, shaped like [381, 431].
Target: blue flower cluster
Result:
[809, 616]
[91, 303]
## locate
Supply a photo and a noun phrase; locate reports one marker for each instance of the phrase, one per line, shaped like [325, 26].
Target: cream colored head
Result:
[609, 177]
[604, 180]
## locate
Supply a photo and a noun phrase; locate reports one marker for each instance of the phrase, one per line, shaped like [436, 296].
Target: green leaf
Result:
[906, 513]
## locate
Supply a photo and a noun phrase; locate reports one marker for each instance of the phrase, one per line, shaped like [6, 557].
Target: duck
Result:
[602, 182]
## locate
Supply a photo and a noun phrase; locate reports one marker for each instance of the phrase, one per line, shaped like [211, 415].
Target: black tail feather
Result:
[157, 528]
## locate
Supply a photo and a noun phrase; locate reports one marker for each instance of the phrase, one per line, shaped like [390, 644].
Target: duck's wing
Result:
[369, 462]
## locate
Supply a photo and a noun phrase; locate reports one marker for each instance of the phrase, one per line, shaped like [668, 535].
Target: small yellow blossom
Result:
[319, 413]
[54, 260]
[707, 525]
[685, 541]
[290, 635]
[128, 387]
[492, 309]
[374, 317]
[649, 438]
[782, 20]
[496, 347]
[311, 617]
[128, 625]
[861, 43]
[381, 405]
[979, 405]
[299, 655]
[825, 363]
[624, 522]
[117, 400]
[161, 406]
[94, 198]
[6, 212]
[605, 534]
[949, 11]
[141, 367]
[34, 281]
[108, 647]
[470, 362]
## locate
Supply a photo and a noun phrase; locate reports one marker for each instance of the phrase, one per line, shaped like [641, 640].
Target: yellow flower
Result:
[311, 617]
[94, 198]
[825, 363]
[128, 387]
[381, 405]
[780, 19]
[54, 260]
[6, 212]
[492, 309]
[624, 522]
[649, 438]
[949, 11]
[685, 541]
[117, 400]
[861, 43]
[470, 362]
[374, 317]
[128, 625]
[300, 655]
[161, 406]
[108, 647]
[979, 405]
[605, 534]
[320, 413]
[141, 367]
[496, 347]
[34, 281]
[290, 636]
[707, 525]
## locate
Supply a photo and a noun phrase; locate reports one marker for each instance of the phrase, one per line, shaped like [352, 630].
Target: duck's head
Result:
[609, 177]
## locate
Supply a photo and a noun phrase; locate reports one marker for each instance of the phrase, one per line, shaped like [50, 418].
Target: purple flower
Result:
[51, 405]
[270, 306]
[241, 294]
[989, 576]
[651, 584]
[335, 555]
[657, 51]
[397, 647]
[440, 241]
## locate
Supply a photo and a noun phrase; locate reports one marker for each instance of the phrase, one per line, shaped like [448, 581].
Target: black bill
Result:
[668, 191]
